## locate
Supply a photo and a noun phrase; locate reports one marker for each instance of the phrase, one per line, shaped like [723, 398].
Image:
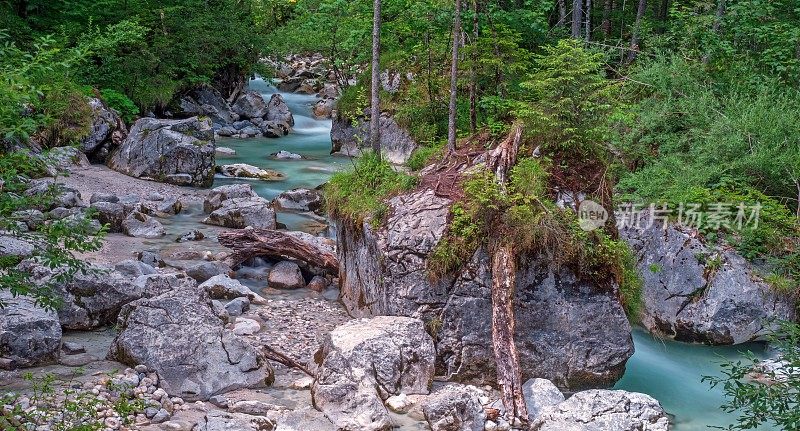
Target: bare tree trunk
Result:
[577, 18]
[451, 123]
[634, 49]
[509, 377]
[504, 269]
[588, 20]
[247, 243]
[608, 6]
[375, 101]
[498, 73]
[473, 85]
[562, 13]
[721, 6]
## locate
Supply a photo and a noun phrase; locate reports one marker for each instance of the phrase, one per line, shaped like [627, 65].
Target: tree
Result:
[577, 18]
[451, 121]
[473, 85]
[765, 392]
[634, 48]
[375, 98]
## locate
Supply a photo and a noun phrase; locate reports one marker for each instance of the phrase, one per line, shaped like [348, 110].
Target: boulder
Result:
[110, 213]
[225, 151]
[348, 139]
[108, 131]
[15, 247]
[540, 393]
[62, 159]
[239, 213]
[65, 197]
[250, 105]
[383, 272]
[603, 410]
[274, 129]
[89, 300]
[222, 193]
[454, 408]
[204, 271]
[134, 268]
[363, 362]
[696, 293]
[323, 108]
[29, 334]
[243, 170]
[223, 287]
[140, 225]
[285, 155]
[173, 151]
[300, 200]
[277, 110]
[286, 275]
[178, 335]
[304, 419]
[207, 102]
[192, 235]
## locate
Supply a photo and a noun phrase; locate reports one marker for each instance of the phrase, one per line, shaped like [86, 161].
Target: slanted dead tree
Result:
[248, 243]
[504, 269]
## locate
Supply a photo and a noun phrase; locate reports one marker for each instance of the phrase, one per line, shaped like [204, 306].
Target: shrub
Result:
[120, 103]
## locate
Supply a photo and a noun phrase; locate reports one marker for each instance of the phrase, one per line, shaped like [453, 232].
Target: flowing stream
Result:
[669, 371]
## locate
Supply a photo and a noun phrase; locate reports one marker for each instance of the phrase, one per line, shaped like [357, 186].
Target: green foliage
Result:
[425, 155]
[360, 194]
[764, 394]
[55, 241]
[120, 103]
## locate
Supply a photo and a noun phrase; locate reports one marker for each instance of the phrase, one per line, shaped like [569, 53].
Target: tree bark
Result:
[247, 243]
[451, 122]
[498, 73]
[577, 18]
[721, 6]
[562, 13]
[473, 85]
[634, 48]
[506, 356]
[588, 20]
[608, 7]
[375, 100]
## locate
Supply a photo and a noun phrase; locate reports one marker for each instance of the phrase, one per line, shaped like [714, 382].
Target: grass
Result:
[360, 194]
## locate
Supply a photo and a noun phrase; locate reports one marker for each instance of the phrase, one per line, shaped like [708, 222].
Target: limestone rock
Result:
[277, 110]
[250, 105]
[29, 334]
[300, 200]
[239, 213]
[142, 226]
[286, 275]
[603, 410]
[454, 408]
[222, 193]
[108, 131]
[349, 140]
[540, 393]
[180, 152]
[243, 170]
[179, 336]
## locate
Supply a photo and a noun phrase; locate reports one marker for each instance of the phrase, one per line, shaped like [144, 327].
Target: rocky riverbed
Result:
[171, 331]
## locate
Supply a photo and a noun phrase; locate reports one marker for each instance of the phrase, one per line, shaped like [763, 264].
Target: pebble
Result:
[161, 416]
[141, 368]
[246, 326]
[399, 403]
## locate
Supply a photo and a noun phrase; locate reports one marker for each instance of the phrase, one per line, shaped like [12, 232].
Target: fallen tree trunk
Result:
[248, 243]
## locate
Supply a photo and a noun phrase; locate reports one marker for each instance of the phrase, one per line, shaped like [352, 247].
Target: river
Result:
[669, 371]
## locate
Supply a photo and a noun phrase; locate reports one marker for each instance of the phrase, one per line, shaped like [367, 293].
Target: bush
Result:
[120, 103]
[361, 193]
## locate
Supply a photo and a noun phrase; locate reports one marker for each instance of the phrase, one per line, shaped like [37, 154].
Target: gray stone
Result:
[540, 393]
[29, 334]
[305, 419]
[286, 275]
[277, 110]
[33, 218]
[239, 213]
[219, 401]
[224, 287]
[178, 335]
[243, 170]
[10, 246]
[383, 272]
[207, 102]
[363, 362]
[108, 131]
[300, 200]
[220, 194]
[237, 306]
[134, 268]
[111, 214]
[103, 197]
[71, 348]
[175, 151]
[225, 151]
[140, 225]
[318, 283]
[274, 129]
[224, 421]
[696, 293]
[192, 235]
[323, 108]
[205, 270]
[285, 155]
[454, 408]
[161, 416]
[239, 125]
[603, 410]
[254, 408]
[349, 140]
[250, 105]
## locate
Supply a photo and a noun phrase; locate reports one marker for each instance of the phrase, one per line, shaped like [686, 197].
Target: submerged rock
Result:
[349, 140]
[383, 272]
[29, 334]
[693, 292]
[179, 336]
[602, 410]
[180, 152]
[285, 155]
[243, 170]
[363, 362]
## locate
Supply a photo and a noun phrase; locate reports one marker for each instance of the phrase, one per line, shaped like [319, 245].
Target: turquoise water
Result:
[669, 371]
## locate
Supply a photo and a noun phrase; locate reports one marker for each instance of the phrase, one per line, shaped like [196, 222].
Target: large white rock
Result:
[603, 410]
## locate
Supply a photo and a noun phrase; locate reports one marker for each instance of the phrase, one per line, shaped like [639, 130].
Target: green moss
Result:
[355, 195]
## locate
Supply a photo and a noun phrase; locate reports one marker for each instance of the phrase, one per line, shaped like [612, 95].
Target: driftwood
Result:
[274, 355]
[247, 243]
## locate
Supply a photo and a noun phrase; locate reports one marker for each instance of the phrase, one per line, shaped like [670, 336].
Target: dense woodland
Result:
[662, 101]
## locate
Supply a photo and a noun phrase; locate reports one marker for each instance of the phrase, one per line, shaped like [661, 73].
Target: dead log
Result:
[274, 355]
[248, 243]
[502, 158]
